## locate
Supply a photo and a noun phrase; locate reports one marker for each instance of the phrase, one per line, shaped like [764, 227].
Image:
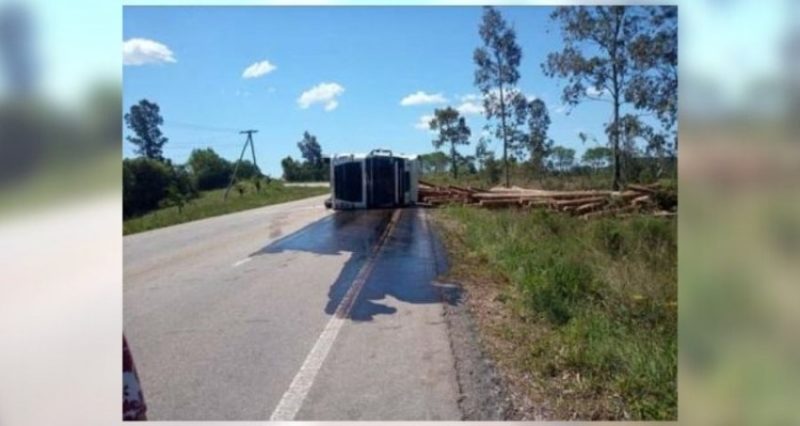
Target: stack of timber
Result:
[651, 199]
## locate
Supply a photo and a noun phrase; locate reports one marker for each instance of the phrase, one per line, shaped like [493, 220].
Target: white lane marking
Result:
[292, 400]
[242, 262]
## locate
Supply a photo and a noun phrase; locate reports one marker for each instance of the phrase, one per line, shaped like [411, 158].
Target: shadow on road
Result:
[405, 269]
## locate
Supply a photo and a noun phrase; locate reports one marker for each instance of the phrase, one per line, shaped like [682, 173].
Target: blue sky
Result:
[363, 61]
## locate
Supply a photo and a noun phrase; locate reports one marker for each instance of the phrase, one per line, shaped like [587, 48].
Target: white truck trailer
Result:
[379, 179]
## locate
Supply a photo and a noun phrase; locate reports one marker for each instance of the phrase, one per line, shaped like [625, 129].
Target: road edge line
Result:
[293, 398]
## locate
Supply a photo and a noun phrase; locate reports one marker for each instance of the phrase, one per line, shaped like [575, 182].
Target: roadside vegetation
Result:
[580, 315]
[158, 192]
[243, 196]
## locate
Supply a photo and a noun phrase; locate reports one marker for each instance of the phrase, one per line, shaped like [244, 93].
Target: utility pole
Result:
[249, 141]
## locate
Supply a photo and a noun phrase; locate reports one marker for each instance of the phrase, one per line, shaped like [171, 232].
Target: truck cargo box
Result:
[379, 179]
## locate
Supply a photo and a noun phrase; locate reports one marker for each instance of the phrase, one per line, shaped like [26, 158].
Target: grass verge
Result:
[580, 316]
[210, 203]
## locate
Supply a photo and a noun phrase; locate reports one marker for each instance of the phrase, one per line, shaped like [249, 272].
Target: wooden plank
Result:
[579, 201]
[585, 208]
[642, 188]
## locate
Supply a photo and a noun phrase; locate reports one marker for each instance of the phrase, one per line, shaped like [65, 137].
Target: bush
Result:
[149, 184]
[209, 169]
[183, 182]
[303, 171]
[145, 183]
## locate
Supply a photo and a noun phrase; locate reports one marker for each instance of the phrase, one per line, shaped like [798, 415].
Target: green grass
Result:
[210, 203]
[589, 307]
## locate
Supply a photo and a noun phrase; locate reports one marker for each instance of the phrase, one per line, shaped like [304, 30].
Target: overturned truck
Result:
[379, 179]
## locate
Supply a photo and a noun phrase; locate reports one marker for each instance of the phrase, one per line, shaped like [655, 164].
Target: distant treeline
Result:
[636, 167]
[312, 168]
[149, 183]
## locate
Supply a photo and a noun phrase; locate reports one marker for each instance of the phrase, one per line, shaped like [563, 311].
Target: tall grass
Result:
[211, 203]
[601, 298]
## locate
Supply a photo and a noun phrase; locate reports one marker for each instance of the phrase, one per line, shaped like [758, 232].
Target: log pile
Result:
[651, 199]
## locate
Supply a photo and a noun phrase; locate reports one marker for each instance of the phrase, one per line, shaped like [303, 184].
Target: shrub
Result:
[145, 183]
[174, 197]
[209, 169]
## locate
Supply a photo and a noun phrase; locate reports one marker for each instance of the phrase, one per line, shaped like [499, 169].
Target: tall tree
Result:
[564, 157]
[311, 151]
[453, 130]
[655, 58]
[598, 60]
[498, 61]
[144, 119]
[310, 148]
[538, 144]
[655, 85]
[482, 152]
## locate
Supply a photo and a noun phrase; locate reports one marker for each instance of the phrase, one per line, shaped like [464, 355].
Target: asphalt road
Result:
[290, 312]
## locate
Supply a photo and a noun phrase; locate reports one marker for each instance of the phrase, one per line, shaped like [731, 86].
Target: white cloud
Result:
[422, 98]
[323, 93]
[470, 108]
[142, 51]
[258, 69]
[596, 92]
[472, 97]
[424, 122]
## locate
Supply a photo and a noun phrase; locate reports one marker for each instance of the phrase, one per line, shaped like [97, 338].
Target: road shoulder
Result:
[483, 393]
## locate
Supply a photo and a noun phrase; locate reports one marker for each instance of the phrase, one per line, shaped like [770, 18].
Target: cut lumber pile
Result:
[650, 199]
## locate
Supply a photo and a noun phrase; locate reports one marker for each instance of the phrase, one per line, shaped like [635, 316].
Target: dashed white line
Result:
[242, 262]
[292, 400]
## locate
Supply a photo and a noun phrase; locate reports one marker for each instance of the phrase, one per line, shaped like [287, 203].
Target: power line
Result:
[172, 123]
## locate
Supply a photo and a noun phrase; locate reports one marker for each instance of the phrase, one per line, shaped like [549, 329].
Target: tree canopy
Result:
[313, 167]
[209, 169]
[611, 53]
[310, 149]
[434, 162]
[538, 143]
[144, 120]
[563, 157]
[597, 157]
[497, 61]
[453, 130]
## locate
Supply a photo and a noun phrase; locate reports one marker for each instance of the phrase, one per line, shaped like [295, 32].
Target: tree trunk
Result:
[615, 140]
[453, 160]
[505, 135]
[615, 77]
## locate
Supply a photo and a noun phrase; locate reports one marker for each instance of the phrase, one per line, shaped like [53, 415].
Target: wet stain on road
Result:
[404, 270]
